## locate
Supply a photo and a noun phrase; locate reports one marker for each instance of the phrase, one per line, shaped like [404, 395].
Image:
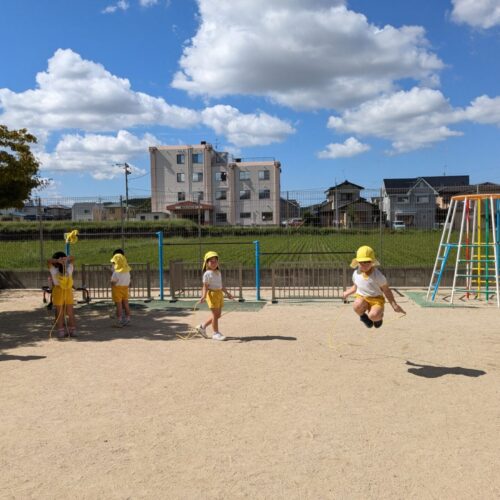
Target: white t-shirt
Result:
[120, 279]
[370, 286]
[54, 273]
[213, 279]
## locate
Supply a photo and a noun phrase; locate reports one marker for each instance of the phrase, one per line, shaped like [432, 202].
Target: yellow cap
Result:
[365, 254]
[121, 264]
[208, 255]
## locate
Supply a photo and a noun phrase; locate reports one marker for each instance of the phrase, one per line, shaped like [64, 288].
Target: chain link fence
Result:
[403, 225]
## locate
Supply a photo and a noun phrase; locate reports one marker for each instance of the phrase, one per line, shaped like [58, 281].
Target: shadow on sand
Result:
[27, 328]
[429, 371]
[263, 337]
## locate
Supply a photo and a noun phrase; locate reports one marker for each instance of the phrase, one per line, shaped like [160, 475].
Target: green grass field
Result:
[410, 248]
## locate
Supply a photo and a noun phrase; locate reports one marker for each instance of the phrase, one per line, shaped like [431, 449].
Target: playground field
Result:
[302, 402]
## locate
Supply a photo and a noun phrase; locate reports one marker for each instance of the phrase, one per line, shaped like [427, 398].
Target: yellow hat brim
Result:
[355, 262]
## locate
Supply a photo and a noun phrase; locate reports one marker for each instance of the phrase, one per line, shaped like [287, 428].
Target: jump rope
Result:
[193, 330]
[341, 311]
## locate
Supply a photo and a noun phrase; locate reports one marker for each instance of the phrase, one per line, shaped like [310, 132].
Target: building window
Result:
[221, 176]
[220, 217]
[267, 216]
[181, 159]
[143, 217]
[264, 175]
[221, 195]
[245, 194]
[197, 157]
[197, 195]
[181, 196]
[245, 215]
[156, 217]
[264, 194]
[244, 176]
[345, 196]
[197, 176]
[181, 177]
[422, 199]
[403, 199]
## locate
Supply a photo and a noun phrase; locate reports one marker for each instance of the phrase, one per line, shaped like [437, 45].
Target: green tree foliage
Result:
[18, 167]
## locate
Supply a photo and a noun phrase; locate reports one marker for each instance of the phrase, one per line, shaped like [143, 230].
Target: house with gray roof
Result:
[413, 200]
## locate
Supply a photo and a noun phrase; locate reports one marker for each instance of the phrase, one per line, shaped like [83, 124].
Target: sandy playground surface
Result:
[303, 401]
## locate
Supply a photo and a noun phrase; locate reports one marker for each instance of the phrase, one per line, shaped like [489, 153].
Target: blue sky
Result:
[358, 90]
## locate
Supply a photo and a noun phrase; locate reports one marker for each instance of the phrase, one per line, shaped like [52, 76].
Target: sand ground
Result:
[302, 402]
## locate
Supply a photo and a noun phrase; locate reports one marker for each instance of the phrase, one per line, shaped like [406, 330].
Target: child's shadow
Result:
[429, 371]
[261, 337]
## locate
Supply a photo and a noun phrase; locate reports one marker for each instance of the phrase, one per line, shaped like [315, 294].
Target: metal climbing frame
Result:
[471, 235]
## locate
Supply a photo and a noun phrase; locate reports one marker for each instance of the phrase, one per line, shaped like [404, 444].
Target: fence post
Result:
[40, 227]
[159, 234]
[257, 268]
[240, 283]
[148, 280]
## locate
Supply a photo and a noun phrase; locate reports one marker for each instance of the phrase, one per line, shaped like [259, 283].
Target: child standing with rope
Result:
[369, 287]
[213, 292]
[120, 283]
[61, 272]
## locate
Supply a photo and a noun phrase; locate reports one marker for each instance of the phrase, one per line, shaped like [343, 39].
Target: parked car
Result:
[293, 222]
[398, 225]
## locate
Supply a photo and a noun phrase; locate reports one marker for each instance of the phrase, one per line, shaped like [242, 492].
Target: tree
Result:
[18, 167]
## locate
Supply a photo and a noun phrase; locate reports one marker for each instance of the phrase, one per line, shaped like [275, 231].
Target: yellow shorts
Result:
[119, 293]
[215, 299]
[373, 301]
[61, 296]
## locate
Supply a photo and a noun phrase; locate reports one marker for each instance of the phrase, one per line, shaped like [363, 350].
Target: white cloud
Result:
[82, 94]
[410, 120]
[120, 5]
[485, 110]
[96, 154]
[477, 13]
[246, 129]
[350, 147]
[304, 54]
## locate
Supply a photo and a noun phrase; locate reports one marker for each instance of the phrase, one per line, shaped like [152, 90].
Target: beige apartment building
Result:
[199, 183]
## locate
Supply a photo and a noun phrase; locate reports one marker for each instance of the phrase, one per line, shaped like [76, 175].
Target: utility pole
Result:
[128, 171]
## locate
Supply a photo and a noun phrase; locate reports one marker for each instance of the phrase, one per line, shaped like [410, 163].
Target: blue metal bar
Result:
[67, 248]
[159, 234]
[441, 271]
[257, 268]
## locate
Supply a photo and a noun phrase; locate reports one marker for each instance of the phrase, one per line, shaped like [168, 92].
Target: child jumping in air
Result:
[61, 273]
[213, 292]
[120, 282]
[369, 287]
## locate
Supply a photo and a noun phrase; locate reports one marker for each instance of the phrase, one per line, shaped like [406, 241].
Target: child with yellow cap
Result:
[369, 287]
[61, 273]
[213, 293]
[120, 282]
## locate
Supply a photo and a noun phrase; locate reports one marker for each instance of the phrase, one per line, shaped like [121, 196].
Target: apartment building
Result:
[199, 183]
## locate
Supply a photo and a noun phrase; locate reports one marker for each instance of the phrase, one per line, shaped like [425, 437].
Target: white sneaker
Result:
[218, 336]
[201, 330]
